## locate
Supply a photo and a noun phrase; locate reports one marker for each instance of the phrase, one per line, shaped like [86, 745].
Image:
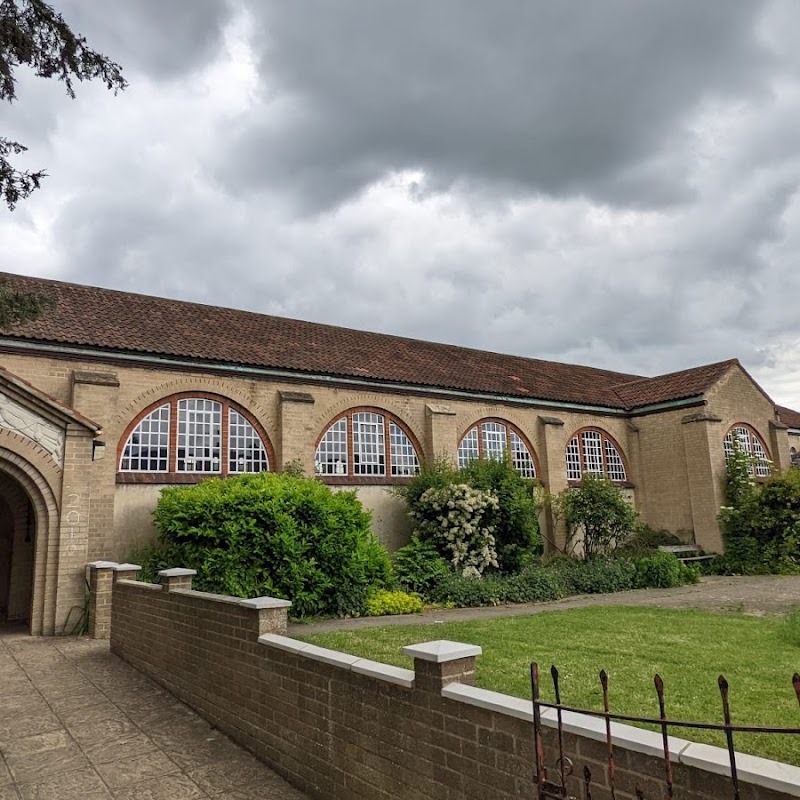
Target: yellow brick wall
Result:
[670, 464]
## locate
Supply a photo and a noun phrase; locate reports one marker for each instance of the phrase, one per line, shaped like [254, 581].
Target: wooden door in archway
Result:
[6, 554]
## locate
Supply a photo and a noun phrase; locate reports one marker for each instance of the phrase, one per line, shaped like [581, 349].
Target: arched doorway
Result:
[17, 549]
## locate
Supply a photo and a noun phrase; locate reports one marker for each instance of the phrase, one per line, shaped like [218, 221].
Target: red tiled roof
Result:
[673, 386]
[133, 323]
[788, 416]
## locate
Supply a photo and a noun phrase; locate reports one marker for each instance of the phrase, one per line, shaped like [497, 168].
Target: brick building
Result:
[111, 396]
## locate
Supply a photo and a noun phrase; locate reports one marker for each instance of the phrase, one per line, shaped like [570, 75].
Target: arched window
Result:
[594, 451]
[187, 435]
[794, 457]
[355, 445]
[751, 444]
[493, 438]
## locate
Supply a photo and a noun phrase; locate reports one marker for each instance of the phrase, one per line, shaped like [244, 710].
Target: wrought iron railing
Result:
[556, 788]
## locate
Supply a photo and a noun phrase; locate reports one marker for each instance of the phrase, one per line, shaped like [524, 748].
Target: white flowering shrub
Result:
[459, 519]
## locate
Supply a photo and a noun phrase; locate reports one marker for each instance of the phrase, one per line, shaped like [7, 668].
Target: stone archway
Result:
[17, 529]
[32, 516]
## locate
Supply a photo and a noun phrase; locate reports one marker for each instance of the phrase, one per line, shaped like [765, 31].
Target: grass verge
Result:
[689, 649]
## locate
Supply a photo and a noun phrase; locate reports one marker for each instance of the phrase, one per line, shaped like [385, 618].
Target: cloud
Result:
[616, 187]
[525, 97]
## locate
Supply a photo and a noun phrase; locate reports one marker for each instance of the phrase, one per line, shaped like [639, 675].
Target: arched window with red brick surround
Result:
[187, 436]
[751, 444]
[494, 438]
[366, 445]
[593, 451]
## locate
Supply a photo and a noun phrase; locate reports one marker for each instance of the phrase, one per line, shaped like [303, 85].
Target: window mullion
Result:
[387, 448]
[351, 458]
[604, 455]
[173, 436]
[224, 448]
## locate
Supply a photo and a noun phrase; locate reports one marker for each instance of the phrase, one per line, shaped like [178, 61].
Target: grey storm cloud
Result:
[158, 38]
[608, 183]
[559, 98]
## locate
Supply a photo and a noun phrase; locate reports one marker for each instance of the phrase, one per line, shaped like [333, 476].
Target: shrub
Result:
[418, 566]
[599, 576]
[664, 571]
[515, 522]
[646, 540]
[384, 602]
[596, 514]
[762, 531]
[533, 584]
[277, 535]
[458, 519]
[516, 532]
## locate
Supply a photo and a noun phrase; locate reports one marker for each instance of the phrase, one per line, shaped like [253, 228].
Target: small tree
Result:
[596, 515]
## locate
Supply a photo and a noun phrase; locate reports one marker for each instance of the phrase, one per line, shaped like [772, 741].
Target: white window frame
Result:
[591, 450]
[365, 445]
[494, 438]
[206, 431]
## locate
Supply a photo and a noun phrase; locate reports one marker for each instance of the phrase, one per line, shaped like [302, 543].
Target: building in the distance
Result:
[112, 396]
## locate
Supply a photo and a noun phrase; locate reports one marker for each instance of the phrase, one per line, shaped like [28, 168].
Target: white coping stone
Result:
[442, 651]
[384, 672]
[285, 643]
[751, 769]
[326, 656]
[176, 572]
[648, 743]
[102, 564]
[491, 701]
[126, 568]
[217, 598]
[265, 602]
[763, 772]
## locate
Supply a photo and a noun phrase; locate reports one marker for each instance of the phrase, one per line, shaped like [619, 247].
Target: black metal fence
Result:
[552, 782]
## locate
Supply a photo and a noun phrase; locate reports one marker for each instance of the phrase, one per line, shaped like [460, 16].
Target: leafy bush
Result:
[762, 530]
[384, 602]
[458, 519]
[418, 566]
[596, 514]
[664, 571]
[515, 520]
[599, 576]
[532, 585]
[517, 524]
[646, 540]
[277, 535]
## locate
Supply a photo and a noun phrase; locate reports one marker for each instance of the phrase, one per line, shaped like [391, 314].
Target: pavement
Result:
[758, 595]
[77, 722]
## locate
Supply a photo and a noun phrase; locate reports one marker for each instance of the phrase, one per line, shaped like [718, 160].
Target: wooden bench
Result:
[684, 552]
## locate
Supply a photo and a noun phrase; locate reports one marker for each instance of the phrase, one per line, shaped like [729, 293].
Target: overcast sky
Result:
[611, 183]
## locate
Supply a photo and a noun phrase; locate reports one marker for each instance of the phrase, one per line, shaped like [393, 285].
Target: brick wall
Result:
[341, 727]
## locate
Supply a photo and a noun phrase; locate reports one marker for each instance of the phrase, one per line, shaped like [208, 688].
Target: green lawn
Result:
[689, 649]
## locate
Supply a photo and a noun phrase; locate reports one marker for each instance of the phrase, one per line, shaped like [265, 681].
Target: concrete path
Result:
[759, 595]
[77, 723]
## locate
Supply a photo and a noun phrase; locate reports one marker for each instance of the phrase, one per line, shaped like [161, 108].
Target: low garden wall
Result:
[338, 726]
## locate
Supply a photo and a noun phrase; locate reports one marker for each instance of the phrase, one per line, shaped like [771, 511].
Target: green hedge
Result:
[561, 577]
[277, 535]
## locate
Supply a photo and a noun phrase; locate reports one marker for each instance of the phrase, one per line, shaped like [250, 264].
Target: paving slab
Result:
[71, 729]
